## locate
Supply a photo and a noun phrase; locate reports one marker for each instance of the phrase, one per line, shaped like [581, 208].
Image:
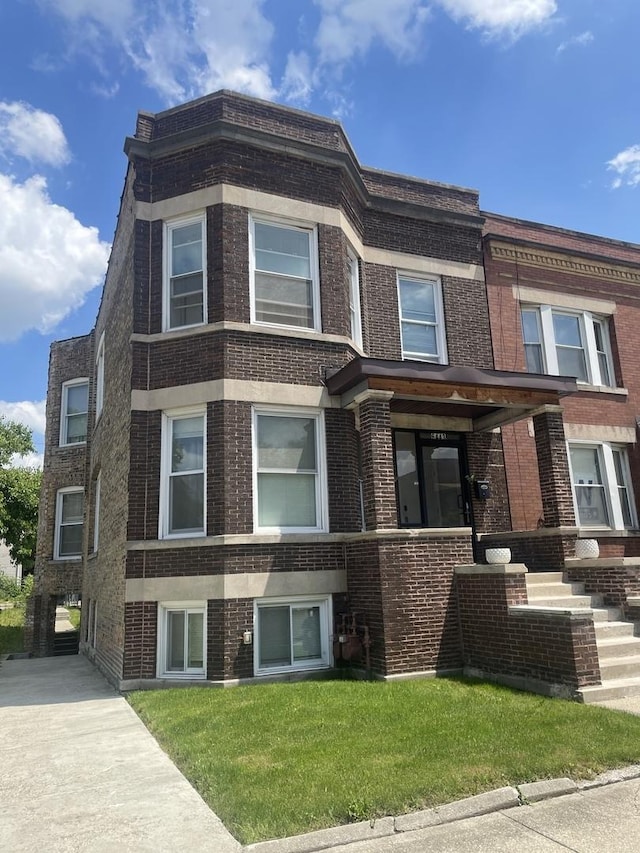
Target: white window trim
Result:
[312, 231]
[441, 337]
[326, 621]
[82, 380]
[610, 484]
[165, 469]
[56, 544]
[193, 607]
[585, 319]
[100, 377]
[322, 500]
[169, 227]
[96, 513]
[355, 310]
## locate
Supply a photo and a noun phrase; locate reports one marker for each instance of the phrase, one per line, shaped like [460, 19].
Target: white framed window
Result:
[185, 294]
[284, 274]
[292, 634]
[100, 376]
[355, 317]
[92, 623]
[74, 413]
[290, 491]
[96, 513]
[567, 343]
[181, 639]
[601, 481]
[183, 487]
[421, 319]
[69, 523]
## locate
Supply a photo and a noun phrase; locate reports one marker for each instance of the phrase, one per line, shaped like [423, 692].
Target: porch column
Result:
[378, 478]
[553, 468]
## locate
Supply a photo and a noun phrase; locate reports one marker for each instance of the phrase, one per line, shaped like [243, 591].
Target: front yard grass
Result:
[11, 630]
[280, 759]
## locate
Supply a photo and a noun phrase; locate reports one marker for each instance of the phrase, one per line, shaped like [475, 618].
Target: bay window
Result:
[185, 292]
[289, 471]
[291, 634]
[183, 474]
[567, 343]
[181, 640]
[601, 485]
[284, 276]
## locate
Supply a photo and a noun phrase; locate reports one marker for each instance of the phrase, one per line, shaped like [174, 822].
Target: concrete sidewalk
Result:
[80, 772]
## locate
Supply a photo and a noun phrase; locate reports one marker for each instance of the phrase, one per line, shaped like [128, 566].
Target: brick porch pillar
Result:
[553, 468]
[378, 476]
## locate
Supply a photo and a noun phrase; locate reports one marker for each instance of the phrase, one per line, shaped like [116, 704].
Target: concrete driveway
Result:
[80, 772]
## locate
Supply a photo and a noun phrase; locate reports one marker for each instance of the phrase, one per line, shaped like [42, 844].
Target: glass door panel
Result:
[443, 486]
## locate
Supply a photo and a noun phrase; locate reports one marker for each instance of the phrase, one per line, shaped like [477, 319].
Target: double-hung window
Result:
[567, 343]
[75, 411]
[69, 524]
[354, 298]
[291, 634]
[181, 636]
[289, 476]
[284, 274]
[185, 274]
[96, 513]
[601, 485]
[183, 474]
[100, 376]
[421, 319]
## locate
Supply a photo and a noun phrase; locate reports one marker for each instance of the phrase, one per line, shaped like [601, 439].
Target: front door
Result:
[430, 484]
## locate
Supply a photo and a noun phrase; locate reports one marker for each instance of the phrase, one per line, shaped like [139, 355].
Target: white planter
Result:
[498, 555]
[587, 549]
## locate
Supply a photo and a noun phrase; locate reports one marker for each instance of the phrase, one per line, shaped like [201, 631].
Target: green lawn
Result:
[74, 616]
[11, 630]
[281, 759]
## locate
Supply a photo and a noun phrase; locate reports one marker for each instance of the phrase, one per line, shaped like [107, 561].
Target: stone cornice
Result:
[567, 263]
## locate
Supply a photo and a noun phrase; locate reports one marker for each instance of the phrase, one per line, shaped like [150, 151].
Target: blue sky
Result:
[533, 102]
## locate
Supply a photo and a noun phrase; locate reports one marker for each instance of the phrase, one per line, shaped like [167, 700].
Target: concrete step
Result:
[547, 590]
[534, 578]
[616, 688]
[620, 667]
[607, 630]
[567, 602]
[606, 614]
[617, 647]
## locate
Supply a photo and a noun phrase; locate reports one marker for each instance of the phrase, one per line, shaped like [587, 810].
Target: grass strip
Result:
[281, 759]
[11, 630]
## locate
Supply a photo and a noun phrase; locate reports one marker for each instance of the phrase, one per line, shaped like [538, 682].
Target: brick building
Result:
[284, 434]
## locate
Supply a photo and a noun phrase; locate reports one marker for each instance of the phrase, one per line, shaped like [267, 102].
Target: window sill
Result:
[601, 389]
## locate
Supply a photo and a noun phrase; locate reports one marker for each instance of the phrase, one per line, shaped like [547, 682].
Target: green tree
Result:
[19, 494]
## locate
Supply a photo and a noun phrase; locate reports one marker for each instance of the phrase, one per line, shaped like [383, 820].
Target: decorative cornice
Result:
[545, 259]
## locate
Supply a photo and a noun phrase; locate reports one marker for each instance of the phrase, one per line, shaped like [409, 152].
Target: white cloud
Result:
[581, 40]
[33, 134]
[32, 415]
[27, 412]
[184, 48]
[498, 17]
[49, 261]
[626, 165]
[298, 83]
[348, 28]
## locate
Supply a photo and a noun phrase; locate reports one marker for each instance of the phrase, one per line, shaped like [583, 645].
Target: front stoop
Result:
[616, 640]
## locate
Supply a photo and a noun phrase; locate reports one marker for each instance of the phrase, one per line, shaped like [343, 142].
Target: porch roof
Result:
[482, 397]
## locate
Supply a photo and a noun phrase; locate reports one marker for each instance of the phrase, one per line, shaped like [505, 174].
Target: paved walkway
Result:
[79, 772]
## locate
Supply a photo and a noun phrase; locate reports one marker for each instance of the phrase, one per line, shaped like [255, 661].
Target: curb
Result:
[491, 801]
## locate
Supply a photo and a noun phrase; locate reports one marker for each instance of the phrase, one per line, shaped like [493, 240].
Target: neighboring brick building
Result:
[292, 414]
[562, 302]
